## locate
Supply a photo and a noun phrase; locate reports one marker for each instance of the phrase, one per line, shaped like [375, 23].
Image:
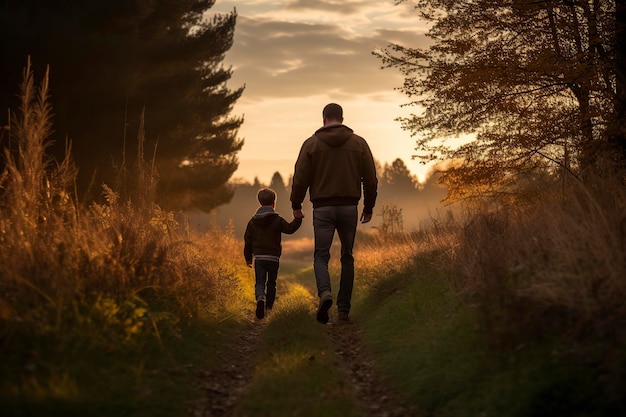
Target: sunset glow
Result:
[296, 56]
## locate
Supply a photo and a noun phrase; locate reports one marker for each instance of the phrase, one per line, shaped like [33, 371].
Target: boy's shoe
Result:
[342, 317]
[260, 307]
[326, 301]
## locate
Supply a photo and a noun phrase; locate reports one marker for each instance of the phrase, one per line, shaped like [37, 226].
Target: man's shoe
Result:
[342, 316]
[260, 307]
[326, 301]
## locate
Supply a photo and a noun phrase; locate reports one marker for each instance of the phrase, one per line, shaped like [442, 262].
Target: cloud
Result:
[343, 7]
[297, 48]
[294, 56]
[288, 59]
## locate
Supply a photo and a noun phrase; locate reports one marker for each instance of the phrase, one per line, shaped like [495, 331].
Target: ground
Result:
[225, 385]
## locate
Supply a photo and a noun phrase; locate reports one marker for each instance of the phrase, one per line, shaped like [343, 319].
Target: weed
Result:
[93, 298]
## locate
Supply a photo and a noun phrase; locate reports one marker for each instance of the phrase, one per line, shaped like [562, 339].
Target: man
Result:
[333, 165]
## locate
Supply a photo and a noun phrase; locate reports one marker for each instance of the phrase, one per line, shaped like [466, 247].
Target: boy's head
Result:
[266, 197]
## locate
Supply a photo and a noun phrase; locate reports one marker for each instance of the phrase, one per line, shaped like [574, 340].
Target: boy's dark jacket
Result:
[263, 233]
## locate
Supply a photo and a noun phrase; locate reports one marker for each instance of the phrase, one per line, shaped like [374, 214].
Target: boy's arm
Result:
[301, 178]
[247, 247]
[290, 228]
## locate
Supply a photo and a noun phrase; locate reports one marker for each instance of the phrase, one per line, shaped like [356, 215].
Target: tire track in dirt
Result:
[373, 392]
[222, 387]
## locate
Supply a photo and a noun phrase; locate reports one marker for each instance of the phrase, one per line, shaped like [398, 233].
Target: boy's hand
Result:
[298, 214]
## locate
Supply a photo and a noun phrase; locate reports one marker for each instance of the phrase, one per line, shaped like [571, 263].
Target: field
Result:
[119, 308]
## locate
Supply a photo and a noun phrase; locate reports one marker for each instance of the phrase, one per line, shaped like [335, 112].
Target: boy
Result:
[262, 240]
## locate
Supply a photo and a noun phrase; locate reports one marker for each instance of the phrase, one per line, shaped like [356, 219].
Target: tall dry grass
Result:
[540, 283]
[553, 268]
[379, 257]
[106, 273]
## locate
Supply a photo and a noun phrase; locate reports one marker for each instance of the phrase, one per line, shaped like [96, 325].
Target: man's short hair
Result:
[333, 111]
[266, 196]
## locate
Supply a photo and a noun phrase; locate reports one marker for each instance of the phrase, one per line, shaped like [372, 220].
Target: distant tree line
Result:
[398, 189]
[114, 62]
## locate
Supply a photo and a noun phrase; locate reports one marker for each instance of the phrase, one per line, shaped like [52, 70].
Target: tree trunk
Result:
[617, 127]
[582, 91]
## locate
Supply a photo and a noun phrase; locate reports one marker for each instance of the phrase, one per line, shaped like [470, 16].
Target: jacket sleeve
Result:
[290, 228]
[370, 182]
[301, 177]
[247, 239]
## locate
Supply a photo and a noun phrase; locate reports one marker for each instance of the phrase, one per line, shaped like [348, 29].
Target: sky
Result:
[296, 56]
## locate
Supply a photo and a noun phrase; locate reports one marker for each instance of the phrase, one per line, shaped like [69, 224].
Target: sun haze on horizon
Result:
[294, 57]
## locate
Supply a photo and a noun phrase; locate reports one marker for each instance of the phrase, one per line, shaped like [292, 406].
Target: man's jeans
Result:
[266, 273]
[326, 220]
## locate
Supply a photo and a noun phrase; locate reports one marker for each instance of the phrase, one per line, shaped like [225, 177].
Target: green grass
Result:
[427, 341]
[442, 363]
[151, 379]
[415, 317]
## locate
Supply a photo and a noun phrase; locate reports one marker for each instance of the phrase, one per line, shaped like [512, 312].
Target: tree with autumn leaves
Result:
[533, 87]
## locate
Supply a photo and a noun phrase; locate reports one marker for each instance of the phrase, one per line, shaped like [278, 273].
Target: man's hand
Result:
[366, 217]
[249, 265]
[298, 214]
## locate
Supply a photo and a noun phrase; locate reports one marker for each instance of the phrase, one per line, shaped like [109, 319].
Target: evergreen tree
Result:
[283, 205]
[398, 177]
[110, 61]
[396, 184]
[277, 184]
[532, 82]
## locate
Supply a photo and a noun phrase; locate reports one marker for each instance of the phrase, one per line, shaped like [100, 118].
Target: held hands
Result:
[298, 214]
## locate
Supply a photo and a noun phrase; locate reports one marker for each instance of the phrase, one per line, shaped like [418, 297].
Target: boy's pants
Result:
[266, 273]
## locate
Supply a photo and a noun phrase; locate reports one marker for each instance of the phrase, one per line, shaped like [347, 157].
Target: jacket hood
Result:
[264, 215]
[334, 135]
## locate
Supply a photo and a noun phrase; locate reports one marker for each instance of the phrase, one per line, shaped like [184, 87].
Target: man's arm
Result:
[370, 183]
[301, 181]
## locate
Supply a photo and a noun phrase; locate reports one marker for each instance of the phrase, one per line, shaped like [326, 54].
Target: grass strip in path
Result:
[296, 370]
[308, 369]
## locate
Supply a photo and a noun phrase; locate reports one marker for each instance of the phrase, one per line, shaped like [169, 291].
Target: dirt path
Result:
[223, 386]
[374, 393]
